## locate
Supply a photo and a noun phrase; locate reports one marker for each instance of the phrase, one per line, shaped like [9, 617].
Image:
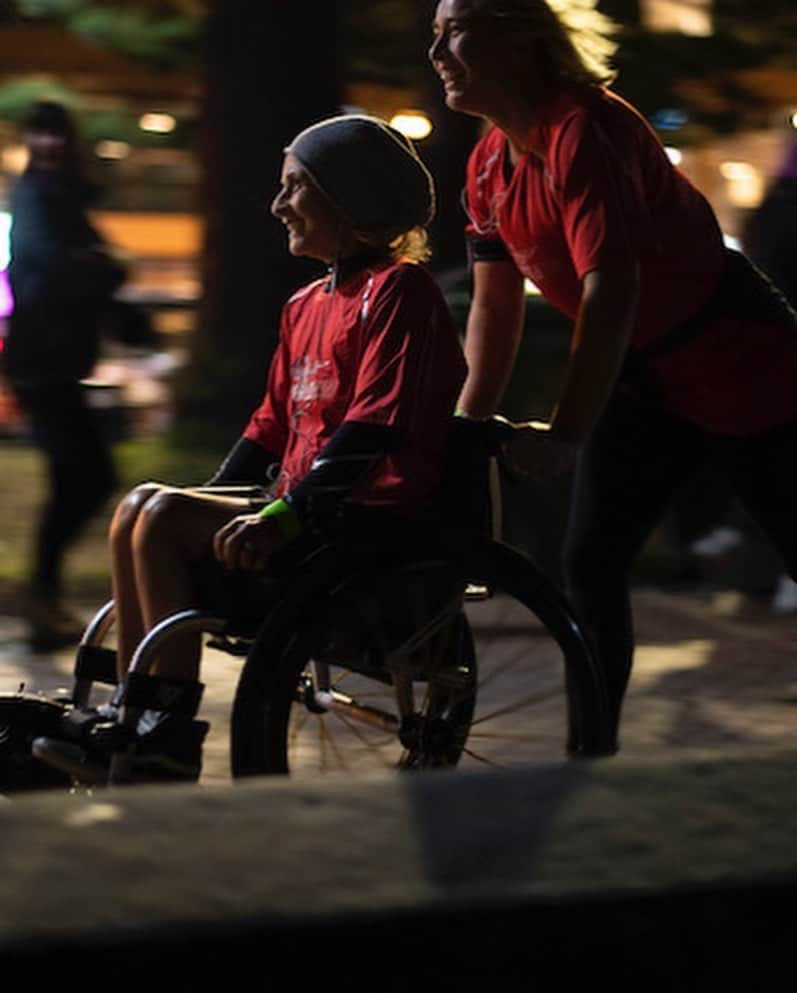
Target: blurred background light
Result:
[5, 228]
[675, 155]
[158, 123]
[14, 159]
[745, 183]
[689, 17]
[736, 172]
[413, 124]
[669, 119]
[6, 299]
[112, 149]
[793, 119]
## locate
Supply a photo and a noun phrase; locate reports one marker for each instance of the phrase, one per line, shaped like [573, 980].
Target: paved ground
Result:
[711, 672]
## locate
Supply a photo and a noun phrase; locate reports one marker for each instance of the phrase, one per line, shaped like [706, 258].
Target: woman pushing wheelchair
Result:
[683, 355]
[360, 394]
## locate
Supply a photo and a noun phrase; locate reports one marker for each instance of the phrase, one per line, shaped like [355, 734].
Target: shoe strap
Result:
[96, 664]
[144, 692]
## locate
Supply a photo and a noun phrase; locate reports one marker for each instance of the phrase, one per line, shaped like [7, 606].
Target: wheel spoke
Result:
[530, 701]
[297, 725]
[356, 729]
[329, 744]
[499, 669]
[504, 735]
[495, 694]
[478, 758]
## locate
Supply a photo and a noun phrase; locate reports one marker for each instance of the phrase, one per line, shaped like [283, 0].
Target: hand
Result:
[538, 454]
[247, 542]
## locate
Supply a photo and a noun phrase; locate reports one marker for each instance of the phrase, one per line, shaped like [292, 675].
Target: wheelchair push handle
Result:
[500, 432]
[524, 449]
[490, 434]
[497, 432]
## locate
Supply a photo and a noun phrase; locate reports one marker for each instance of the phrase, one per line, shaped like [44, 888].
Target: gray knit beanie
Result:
[369, 170]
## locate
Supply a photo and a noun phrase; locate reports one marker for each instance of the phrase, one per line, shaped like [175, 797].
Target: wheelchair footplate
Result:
[23, 717]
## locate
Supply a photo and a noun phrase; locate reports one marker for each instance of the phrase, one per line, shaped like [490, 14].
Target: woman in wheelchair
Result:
[357, 409]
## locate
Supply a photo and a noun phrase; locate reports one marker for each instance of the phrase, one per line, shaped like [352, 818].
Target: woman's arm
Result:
[246, 464]
[492, 337]
[600, 342]
[248, 541]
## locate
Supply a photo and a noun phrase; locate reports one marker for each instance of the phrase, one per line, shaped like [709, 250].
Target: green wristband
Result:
[285, 517]
[463, 415]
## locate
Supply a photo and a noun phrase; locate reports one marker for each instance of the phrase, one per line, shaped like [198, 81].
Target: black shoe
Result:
[78, 723]
[71, 759]
[167, 747]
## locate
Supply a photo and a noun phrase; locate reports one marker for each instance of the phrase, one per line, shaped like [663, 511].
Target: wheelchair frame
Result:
[484, 561]
[499, 567]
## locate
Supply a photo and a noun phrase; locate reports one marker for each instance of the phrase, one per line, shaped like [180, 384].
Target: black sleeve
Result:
[246, 463]
[487, 250]
[353, 450]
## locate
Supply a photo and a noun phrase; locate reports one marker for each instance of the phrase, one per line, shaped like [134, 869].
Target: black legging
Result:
[80, 467]
[628, 474]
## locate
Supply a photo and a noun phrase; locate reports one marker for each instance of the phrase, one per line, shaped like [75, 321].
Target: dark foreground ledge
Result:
[676, 875]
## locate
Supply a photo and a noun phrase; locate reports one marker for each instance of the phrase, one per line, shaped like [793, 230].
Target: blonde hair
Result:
[576, 36]
[405, 246]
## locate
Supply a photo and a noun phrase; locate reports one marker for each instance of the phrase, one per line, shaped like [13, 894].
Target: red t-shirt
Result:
[380, 349]
[598, 187]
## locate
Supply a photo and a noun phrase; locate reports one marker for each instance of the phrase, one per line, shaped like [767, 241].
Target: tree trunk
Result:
[270, 70]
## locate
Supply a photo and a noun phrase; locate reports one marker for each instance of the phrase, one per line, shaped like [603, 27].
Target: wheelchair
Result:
[452, 650]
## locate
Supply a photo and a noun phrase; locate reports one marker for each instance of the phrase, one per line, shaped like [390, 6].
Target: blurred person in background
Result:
[61, 276]
[718, 536]
[682, 355]
[770, 239]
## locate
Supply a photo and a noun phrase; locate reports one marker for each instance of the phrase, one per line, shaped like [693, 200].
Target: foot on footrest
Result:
[166, 747]
[70, 759]
[78, 723]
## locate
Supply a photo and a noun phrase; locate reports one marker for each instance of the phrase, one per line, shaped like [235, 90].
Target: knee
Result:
[159, 518]
[128, 511]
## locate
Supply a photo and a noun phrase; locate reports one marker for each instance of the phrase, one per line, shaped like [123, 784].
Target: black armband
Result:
[353, 450]
[487, 250]
[245, 463]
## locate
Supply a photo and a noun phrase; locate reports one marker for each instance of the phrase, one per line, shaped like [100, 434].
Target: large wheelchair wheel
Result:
[347, 675]
[379, 673]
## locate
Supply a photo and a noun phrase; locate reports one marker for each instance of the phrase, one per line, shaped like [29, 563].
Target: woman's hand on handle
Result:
[536, 452]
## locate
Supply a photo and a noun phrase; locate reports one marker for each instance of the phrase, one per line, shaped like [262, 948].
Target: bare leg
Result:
[172, 536]
[129, 620]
